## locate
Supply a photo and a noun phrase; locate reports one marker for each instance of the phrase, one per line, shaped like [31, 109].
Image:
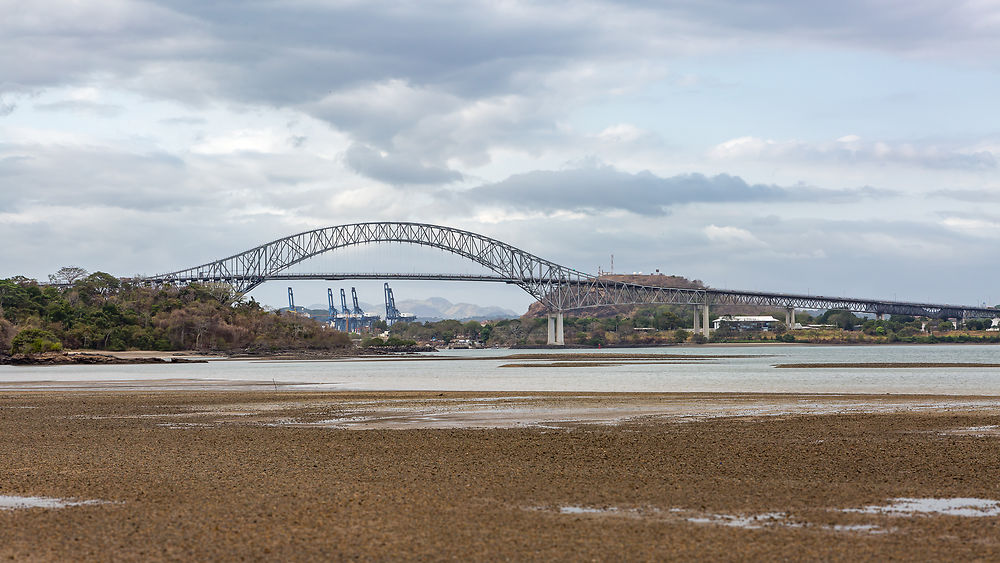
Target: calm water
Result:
[728, 372]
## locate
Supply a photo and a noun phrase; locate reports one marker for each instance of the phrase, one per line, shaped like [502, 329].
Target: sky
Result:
[842, 148]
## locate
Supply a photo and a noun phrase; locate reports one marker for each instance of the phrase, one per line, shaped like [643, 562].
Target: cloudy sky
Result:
[843, 148]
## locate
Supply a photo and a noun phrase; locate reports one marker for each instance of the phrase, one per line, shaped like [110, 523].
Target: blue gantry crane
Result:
[345, 313]
[291, 304]
[332, 311]
[364, 321]
[392, 314]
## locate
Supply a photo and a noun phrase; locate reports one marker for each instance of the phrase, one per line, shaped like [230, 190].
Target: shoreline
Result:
[358, 353]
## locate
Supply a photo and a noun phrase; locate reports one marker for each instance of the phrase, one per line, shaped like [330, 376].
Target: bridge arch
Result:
[540, 278]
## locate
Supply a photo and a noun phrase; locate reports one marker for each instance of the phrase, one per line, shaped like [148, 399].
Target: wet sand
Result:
[289, 475]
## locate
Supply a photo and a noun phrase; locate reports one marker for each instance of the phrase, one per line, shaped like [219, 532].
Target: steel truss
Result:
[557, 287]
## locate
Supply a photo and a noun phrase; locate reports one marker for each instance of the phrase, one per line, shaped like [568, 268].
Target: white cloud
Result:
[621, 133]
[733, 236]
[245, 140]
[984, 228]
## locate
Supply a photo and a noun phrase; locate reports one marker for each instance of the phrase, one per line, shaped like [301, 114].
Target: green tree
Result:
[7, 332]
[68, 275]
[842, 319]
[680, 335]
[34, 341]
[472, 330]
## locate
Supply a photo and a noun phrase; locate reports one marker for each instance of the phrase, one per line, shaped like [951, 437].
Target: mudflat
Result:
[290, 475]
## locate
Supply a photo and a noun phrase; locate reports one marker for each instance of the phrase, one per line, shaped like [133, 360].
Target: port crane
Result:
[392, 314]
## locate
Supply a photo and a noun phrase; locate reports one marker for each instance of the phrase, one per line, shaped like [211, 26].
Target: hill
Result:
[436, 309]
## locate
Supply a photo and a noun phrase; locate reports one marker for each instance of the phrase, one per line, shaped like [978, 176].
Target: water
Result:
[736, 369]
[8, 502]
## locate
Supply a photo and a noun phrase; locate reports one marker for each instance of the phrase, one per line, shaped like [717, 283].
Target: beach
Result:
[226, 474]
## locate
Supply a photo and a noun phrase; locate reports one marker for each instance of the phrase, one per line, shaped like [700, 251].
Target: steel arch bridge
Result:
[557, 287]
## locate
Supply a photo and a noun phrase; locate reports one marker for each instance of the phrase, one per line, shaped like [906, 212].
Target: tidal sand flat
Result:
[227, 475]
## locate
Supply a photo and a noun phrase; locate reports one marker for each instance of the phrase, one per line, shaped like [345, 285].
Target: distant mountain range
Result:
[436, 309]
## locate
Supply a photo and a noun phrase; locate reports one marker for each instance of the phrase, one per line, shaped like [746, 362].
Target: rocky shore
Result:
[86, 358]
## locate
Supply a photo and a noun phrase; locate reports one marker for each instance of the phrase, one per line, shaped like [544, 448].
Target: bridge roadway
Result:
[557, 287]
[698, 296]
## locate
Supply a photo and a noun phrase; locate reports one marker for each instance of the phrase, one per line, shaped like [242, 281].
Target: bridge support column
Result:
[696, 327]
[790, 318]
[556, 330]
[705, 325]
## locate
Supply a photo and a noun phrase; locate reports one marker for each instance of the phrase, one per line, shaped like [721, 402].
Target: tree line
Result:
[101, 312]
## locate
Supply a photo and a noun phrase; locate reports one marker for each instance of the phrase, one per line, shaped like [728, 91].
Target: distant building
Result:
[746, 323]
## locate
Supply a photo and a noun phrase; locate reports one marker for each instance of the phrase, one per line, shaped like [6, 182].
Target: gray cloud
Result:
[923, 27]
[974, 196]
[394, 170]
[292, 53]
[603, 188]
[853, 150]
[433, 81]
[76, 176]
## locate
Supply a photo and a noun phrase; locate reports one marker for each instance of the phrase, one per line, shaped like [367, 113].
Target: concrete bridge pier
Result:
[790, 318]
[696, 327]
[556, 330]
[705, 326]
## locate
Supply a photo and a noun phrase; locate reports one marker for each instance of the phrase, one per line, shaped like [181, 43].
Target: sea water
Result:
[729, 369]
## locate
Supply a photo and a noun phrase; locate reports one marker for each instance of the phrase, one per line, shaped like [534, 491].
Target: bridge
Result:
[558, 288]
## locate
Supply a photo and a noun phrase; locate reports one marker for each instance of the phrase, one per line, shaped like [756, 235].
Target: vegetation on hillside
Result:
[100, 312]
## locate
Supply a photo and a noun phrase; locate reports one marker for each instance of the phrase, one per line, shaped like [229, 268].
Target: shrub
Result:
[34, 341]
